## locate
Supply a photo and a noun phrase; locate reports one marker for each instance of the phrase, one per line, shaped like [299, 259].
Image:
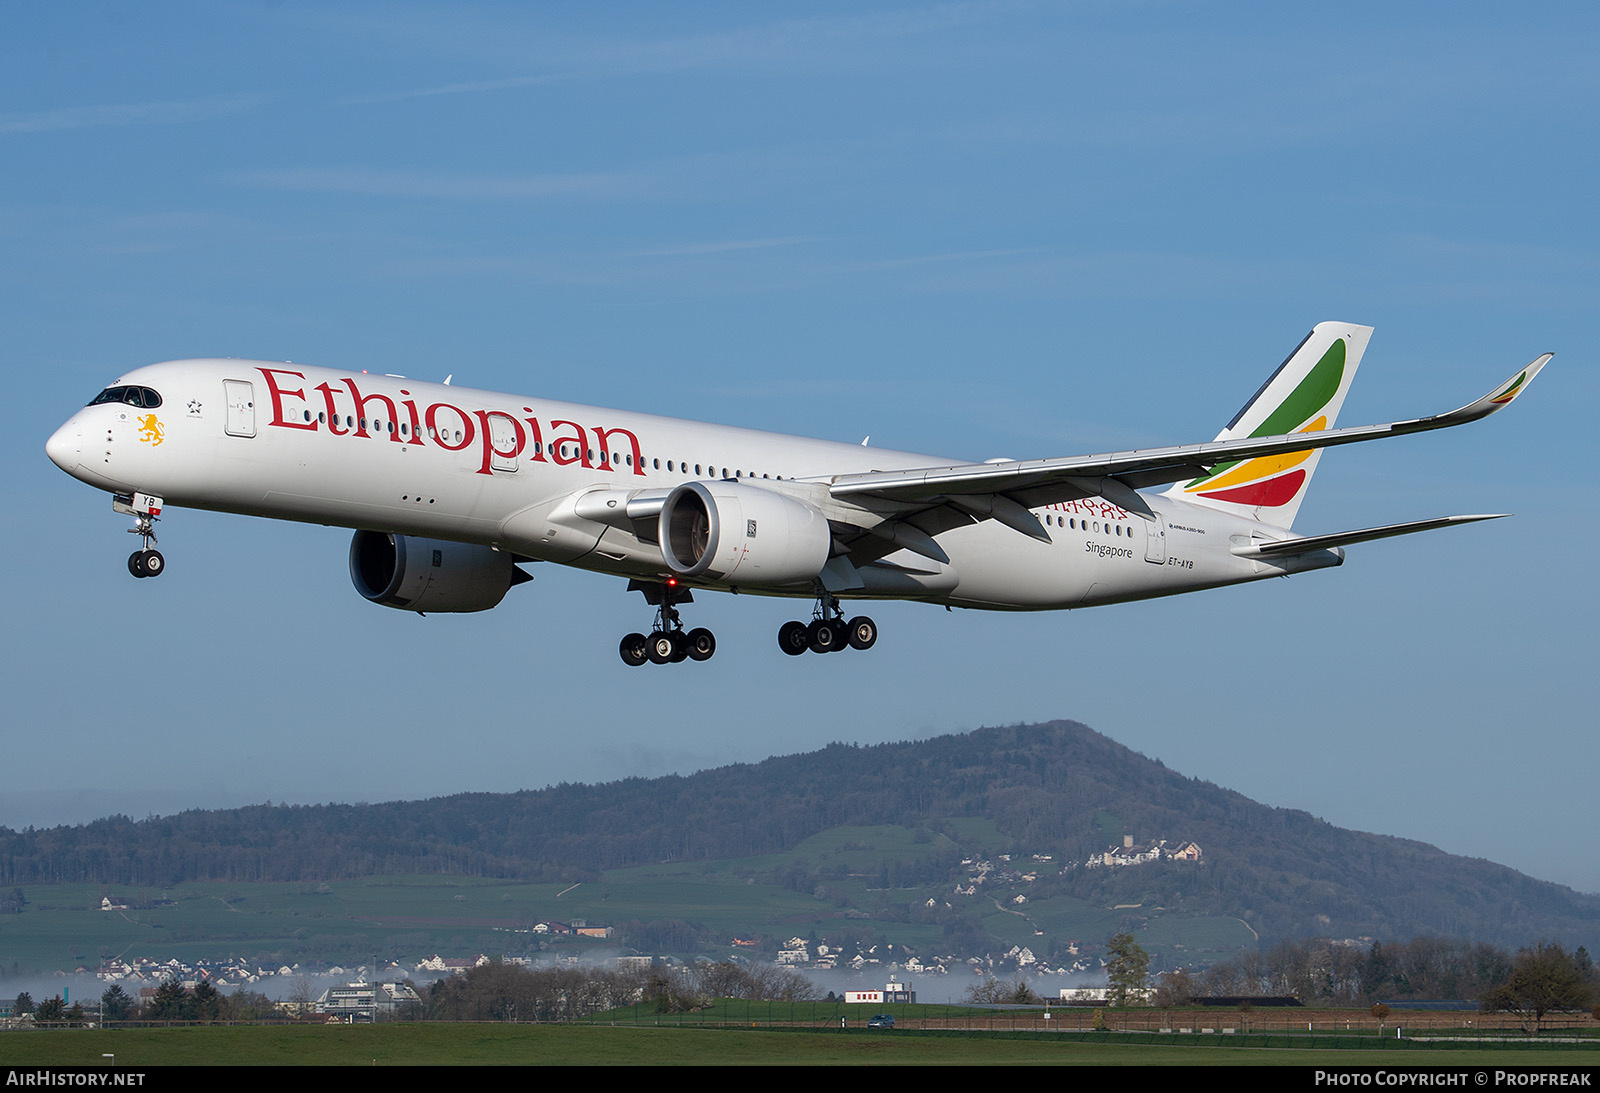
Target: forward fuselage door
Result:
[504, 434]
[1155, 540]
[240, 396]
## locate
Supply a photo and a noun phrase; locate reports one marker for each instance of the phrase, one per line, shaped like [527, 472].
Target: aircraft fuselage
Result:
[389, 454]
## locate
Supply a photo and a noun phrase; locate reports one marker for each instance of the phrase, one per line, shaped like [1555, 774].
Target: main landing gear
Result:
[668, 643]
[828, 632]
[145, 510]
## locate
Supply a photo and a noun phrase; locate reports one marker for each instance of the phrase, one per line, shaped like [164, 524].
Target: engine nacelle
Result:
[415, 574]
[745, 535]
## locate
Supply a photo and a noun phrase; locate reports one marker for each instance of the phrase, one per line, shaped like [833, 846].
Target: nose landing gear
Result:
[145, 510]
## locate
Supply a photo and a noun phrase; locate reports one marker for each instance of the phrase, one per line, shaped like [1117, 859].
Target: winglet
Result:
[1501, 396]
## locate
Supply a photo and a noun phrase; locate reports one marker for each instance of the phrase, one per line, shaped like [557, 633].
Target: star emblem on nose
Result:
[194, 407]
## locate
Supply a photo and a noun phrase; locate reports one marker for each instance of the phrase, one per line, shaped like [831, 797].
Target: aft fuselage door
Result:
[1155, 540]
[240, 395]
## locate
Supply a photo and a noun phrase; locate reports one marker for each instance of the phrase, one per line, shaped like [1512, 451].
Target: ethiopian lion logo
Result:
[150, 430]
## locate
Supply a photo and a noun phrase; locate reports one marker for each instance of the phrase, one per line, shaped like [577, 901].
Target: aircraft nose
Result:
[65, 446]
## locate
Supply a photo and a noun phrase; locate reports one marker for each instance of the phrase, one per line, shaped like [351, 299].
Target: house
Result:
[361, 1002]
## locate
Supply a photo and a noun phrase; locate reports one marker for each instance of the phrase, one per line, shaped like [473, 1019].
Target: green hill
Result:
[887, 833]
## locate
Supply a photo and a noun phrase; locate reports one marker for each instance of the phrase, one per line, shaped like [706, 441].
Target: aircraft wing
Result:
[1004, 491]
[1302, 544]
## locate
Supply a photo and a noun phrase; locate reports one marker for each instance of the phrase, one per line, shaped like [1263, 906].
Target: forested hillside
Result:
[1058, 789]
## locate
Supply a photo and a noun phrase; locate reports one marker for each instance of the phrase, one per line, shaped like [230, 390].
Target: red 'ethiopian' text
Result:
[497, 436]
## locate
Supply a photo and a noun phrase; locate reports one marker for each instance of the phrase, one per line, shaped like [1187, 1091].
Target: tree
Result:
[670, 992]
[986, 991]
[115, 1004]
[23, 1005]
[1175, 988]
[1543, 978]
[206, 1002]
[51, 1010]
[247, 1005]
[300, 996]
[170, 1003]
[1379, 972]
[990, 991]
[1128, 970]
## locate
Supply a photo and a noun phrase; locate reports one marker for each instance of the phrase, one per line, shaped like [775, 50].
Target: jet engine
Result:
[423, 575]
[743, 535]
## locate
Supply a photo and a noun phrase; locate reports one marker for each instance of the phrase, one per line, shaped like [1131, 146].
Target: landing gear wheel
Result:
[136, 563]
[793, 638]
[825, 636]
[154, 563]
[680, 647]
[634, 650]
[660, 647]
[702, 644]
[863, 632]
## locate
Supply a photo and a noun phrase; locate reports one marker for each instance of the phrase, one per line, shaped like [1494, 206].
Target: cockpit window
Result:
[133, 396]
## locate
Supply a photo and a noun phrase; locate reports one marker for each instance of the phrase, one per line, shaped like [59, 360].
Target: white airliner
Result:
[448, 488]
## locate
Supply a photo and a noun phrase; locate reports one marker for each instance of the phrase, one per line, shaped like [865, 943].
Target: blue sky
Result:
[971, 229]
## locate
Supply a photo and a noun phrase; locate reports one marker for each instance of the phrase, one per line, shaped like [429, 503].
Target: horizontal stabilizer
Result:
[1305, 543]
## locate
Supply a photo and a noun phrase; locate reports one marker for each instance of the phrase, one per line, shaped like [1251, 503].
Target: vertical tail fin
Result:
[1304, 395]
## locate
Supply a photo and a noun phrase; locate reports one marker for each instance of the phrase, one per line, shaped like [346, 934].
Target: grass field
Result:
[493, 1045]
